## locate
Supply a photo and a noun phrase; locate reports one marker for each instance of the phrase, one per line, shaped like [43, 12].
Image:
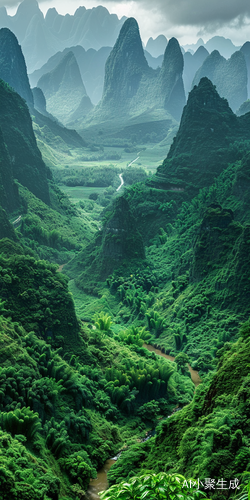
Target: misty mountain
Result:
[42, 37]
[40, 101]
[14, 72]
[220, 43]
[153, 62]
[131, 87]
[170, 78]
[229, 76]
[91, 64]
[64, 90]
[156, 47]
[192, 62]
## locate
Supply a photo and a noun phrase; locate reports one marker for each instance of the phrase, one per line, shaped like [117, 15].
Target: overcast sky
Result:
[187, 20]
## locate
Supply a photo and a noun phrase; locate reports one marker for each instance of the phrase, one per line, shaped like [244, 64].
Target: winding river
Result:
[101, 482]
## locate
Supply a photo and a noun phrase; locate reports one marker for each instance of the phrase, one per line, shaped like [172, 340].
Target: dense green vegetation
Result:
[153, 486]
[165, 263]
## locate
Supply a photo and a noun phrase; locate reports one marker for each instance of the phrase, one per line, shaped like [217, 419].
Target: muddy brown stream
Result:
[101, 482]
[194, 374]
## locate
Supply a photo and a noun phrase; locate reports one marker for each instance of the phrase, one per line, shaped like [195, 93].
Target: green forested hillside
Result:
[166, 264]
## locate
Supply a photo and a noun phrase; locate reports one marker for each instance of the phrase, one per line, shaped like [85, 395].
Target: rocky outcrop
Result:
[212, 241]
[9, 199]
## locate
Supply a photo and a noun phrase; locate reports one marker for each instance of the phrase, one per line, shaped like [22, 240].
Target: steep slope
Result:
[245, 49]
[132, 87]
[137, 100]
[207, 438]
[170, 79]
[39, 43]
[229, 76]
[124, 67]
[12, 65]
[64, 89]
[8, 189]
[27, 164]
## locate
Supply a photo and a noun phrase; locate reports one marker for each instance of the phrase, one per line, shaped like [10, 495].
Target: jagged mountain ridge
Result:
[42, 37]
[220, 43]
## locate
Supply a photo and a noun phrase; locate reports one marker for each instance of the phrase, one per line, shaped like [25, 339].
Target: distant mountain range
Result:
[41, 37]
[83, 87]
[224, 45]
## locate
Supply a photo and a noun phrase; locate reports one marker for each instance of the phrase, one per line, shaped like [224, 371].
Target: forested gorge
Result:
[89, 284]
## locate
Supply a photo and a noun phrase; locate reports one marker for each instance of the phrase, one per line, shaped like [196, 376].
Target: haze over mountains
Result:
[42, 37]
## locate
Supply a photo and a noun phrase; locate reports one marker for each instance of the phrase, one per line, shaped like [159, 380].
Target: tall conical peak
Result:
[173, 54]
[125, 64]
[202, 116]
[205, 96]
[171, 83]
